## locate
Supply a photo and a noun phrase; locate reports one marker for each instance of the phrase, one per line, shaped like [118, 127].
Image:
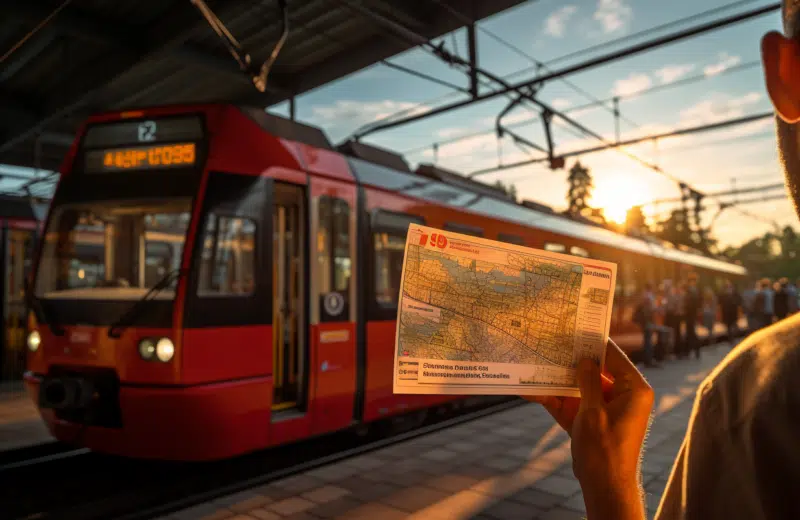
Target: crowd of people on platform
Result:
[669, 315]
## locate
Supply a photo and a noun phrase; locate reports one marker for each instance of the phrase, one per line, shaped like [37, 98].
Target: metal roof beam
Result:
[372, 50]
[179, 24]
[27, 52]
[83, 26]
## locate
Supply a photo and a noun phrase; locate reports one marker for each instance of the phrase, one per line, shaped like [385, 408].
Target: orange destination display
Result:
[142, 157]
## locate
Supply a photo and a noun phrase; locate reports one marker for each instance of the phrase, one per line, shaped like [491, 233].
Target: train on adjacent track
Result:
[213, 280]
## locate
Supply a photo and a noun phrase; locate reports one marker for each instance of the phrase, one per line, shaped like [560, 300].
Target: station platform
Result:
[511, 465]
[20, 424]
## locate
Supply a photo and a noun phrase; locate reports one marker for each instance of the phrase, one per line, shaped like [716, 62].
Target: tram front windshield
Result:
[113, 249]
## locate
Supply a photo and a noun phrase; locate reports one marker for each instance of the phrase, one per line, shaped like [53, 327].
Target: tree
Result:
[510, 189]
[772, 255]
[635, 223]
[580, 189]
[676, 229]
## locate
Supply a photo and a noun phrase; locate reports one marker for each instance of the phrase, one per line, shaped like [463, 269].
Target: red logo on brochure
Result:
[438, 240]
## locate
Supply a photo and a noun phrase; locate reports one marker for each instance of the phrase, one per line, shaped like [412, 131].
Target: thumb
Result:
[590, 384]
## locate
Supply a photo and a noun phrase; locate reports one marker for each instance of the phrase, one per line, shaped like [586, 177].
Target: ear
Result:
[781, 59]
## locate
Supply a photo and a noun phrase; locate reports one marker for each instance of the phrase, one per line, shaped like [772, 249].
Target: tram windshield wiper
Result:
[48, 319]
[129, 316]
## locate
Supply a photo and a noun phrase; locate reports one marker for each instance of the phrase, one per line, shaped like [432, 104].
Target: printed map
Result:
[521, 311]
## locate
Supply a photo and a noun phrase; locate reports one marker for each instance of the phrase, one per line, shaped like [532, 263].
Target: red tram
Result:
[213, 280]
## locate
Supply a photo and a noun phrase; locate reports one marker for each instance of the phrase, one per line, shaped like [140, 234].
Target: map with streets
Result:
[478, 316]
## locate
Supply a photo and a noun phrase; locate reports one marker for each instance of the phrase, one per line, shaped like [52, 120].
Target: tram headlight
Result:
[34, 340]
[165, 349]
[147, 349]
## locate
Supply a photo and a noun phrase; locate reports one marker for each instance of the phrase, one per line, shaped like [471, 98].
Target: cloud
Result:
[629, 86]
[555, 24]
[349, 112]
[718, 108]
[561, 103]
[725, 62]
[613, 15]
[671, 73]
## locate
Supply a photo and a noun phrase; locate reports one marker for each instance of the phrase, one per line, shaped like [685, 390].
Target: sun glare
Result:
[616, 196]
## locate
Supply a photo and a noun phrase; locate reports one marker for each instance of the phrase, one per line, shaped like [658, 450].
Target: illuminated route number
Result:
[151, 157]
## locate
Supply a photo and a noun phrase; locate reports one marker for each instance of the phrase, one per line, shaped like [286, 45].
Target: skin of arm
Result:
[607, 428]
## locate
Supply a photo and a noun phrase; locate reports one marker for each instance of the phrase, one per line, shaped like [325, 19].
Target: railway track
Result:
[78, 484]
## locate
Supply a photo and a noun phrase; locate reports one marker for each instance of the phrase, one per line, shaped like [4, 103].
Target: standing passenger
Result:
[672, 315]
[644, 316]
[709, 313]
[729, 302]
[791, 288]
[769, 303]
[781, 299]
[691, 307]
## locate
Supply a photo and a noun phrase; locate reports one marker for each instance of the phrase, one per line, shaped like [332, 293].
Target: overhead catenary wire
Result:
[588, 50]
[580, 108]
[538, 65]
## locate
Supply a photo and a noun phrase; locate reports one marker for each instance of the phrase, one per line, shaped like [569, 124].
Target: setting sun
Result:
[615, 196]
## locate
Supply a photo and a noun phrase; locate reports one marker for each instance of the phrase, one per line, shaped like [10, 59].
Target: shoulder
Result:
[756, 377]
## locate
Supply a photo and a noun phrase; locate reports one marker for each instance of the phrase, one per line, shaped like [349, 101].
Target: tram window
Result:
[389, 232]
[227, 265]
[510, 239]
[333, 245]
[554, 247]
[578, 251]
[464, 229]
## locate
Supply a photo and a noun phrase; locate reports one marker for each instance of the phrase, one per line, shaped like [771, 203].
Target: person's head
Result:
[783, 282]
[648, 287]
[692, 279]
[728, 285]
[780, 54]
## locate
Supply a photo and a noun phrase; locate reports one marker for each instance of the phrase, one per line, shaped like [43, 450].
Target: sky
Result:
[564, 33]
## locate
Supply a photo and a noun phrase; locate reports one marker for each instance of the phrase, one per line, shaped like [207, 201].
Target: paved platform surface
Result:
[512, 465]
[20, 424]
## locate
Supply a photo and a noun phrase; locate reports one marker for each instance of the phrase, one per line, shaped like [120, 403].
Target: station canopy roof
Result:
[99, 55]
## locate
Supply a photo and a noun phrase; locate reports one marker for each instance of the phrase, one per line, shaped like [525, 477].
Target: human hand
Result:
[607, 433]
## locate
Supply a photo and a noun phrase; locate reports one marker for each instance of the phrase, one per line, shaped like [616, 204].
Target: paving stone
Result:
[207, 511]
[562, 514]
[656, 486]
[325, 494]
[334, 472]
[414, 498]
[336, 508]
[263, 514]
[243, 501]
[462, 446]
[290, 506]
[367, 462]
[374, 491]
[451, 483]
[511, 431]
[503, 463]
[439, 454]
[575, 502]
[507, 510]
[558, 485]
[374, 511]
[299, 483]
[273, 492]
[535, 497]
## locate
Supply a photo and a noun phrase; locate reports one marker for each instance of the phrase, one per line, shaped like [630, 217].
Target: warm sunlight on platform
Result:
[616, 194]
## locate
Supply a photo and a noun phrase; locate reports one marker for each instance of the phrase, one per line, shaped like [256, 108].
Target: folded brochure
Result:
[477, 316]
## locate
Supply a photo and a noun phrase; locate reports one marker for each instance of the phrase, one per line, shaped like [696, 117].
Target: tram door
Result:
[289, 357]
